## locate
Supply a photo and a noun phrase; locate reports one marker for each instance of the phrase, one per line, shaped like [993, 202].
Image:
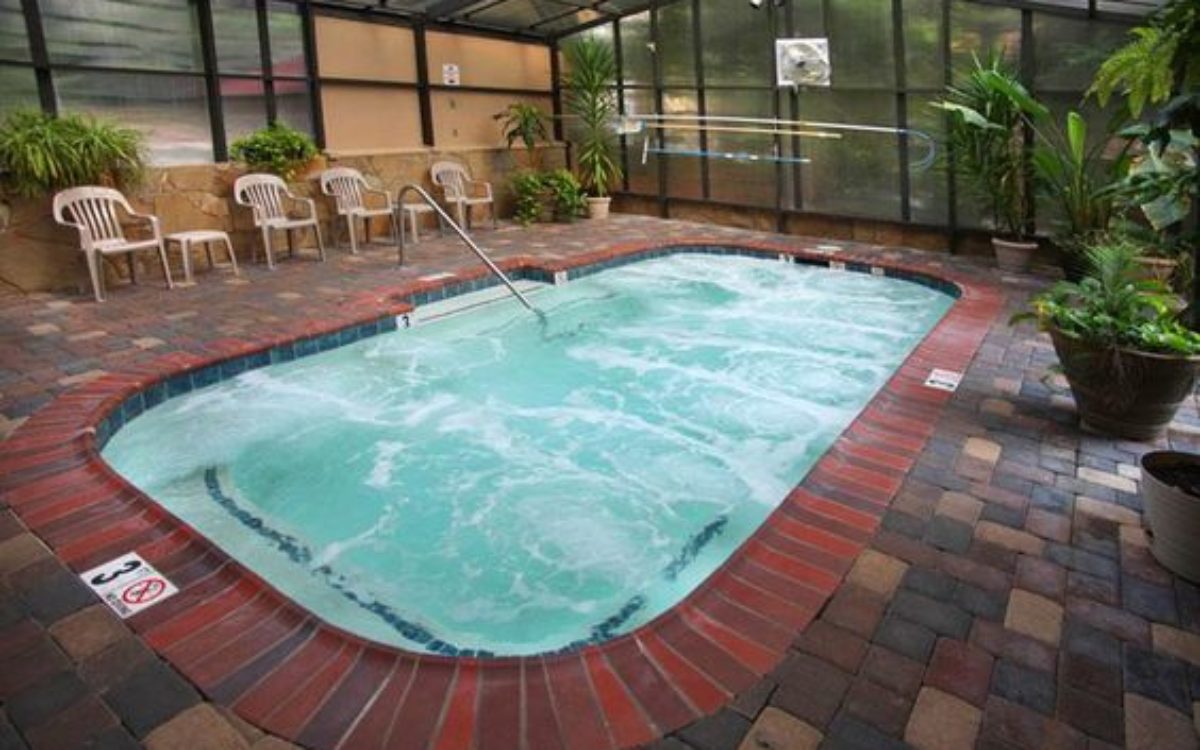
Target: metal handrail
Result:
[444, 217]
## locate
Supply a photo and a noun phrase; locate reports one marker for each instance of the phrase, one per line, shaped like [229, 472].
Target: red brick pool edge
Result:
[249, 647]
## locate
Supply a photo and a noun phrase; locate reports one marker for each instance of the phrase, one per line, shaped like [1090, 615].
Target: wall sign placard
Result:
[451, 75]
[129, 584]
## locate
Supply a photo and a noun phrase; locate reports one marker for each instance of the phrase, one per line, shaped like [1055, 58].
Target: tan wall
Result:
[361, 118]
[38, 255]
[489, 62]
[365, 51]
[464, 119]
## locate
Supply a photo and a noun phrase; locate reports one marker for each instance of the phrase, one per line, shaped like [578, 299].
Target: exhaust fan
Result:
[802, 62]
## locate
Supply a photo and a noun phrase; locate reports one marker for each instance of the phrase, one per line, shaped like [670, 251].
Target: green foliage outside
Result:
[277, 149]
[40, 153]
[1115, 306]
[525, 123]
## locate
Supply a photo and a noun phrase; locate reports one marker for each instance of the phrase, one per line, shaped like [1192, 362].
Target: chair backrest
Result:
[262, 192]
[345, 185]
[451, 177]
[92, 209]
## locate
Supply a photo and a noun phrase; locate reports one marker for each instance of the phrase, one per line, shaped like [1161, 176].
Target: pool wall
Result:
[246, 645]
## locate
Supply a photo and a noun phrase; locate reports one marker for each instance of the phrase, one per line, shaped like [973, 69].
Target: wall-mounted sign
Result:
[450, 74]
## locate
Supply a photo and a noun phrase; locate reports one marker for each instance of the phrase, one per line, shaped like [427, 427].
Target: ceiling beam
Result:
[447, 8]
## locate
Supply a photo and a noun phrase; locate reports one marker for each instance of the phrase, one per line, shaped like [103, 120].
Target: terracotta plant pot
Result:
[598, 207]
[1157, 269]
[1014, 256]
[1124, 392]
[1170, 483]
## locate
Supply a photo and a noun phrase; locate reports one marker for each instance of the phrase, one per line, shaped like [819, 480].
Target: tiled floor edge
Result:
[725, 634]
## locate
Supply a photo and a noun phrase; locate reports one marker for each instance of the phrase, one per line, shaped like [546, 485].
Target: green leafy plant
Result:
[529, 189]
[527, 124]
[277, 149]
[40, 153]
[566, 192]
[988, 109]
[591, 99]
[1114, 306]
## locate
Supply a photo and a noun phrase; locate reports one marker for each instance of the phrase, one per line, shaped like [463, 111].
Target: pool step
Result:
[472, 301]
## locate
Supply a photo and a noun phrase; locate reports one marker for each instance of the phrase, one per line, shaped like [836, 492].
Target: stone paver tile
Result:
[87, 336]
[1134, 536]
[877, 572]
[998, 406]
[960, 506]
[982, 449]
[1010, 538]
[82, 377]
[1041, 576]
[88, 631]
[198, 728]
[1035, 616]
[776, 730]
[1129, 471]
[19, 552]
[1108, 511]
[1175, 642]
[1105, 479]
[148, 342]
[1150, 725]
[43, 329]
[1011, 386]
[960, 669]
[941, 721]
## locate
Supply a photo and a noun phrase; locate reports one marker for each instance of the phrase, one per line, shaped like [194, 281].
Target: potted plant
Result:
[986, 135]
[529, 189]
[566, 194]
[527, 124]
[591, 99]
[1128, 359]
[1078, 177]
[276, 149]
[40, 153]
[1170, 490]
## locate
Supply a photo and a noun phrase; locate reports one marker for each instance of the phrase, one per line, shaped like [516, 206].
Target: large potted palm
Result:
[1129, 361]
[988, 109]
[592, 73]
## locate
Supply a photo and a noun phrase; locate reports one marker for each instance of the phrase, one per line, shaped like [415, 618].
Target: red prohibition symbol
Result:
[145, 590]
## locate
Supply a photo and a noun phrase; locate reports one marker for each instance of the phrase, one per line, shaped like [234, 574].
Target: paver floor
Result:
[1008, 600]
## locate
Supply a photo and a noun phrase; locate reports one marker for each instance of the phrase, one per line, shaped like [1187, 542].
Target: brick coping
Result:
[246, 645]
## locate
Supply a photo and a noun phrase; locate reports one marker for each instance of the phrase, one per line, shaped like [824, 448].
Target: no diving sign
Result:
[129, 584]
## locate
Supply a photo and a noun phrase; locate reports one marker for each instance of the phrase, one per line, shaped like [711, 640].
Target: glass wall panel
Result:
[643, 178]
[737, 43]
[244, 103]
[979, 30]
[13, 42]
[676, 48]
[808, 18]
[741, 180]
[19, 85]
[858, 174]
[293, 105]
[923, 48]
[636, 60]
[286, 29]
[860, 43]
[683, 172]
[235, 25]
[1069, 50]
[171, 110]
[155, 34]
[928, 189]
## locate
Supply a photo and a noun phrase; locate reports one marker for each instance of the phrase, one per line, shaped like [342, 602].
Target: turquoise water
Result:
[478, 484]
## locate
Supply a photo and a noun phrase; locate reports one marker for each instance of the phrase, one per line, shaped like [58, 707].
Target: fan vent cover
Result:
[802, 62]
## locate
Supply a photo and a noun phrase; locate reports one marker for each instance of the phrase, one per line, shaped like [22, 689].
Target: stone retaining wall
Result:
[38, 255]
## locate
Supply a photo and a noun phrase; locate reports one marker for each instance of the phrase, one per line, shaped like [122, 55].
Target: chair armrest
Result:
[155, 224]
[387, 197]
[487, 187]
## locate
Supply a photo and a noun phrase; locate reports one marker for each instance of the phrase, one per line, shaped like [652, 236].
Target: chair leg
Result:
[395, 223]
[462, 214]
[495, 221]
[162, 255]
[232, 257]
[366, 230]
[208, 252]
[291, 243]
[320, 243]
[353, 232]
[97, 274]
[129, 261]
[185, 250]
[266, 233]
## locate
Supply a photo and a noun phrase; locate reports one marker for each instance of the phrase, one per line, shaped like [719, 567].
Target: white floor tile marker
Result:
[129, 584]
[944, 380]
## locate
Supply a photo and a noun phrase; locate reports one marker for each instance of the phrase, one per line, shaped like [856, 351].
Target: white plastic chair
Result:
[93, 212]
[461, 192]
[268, 196]
[350, 191]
